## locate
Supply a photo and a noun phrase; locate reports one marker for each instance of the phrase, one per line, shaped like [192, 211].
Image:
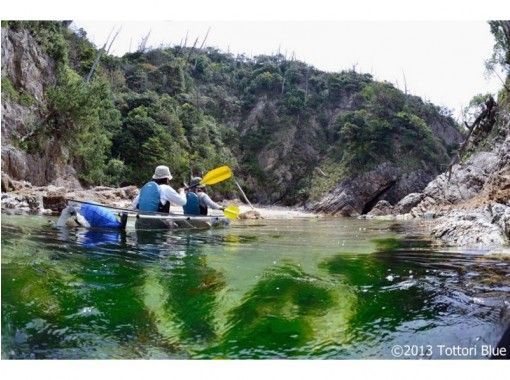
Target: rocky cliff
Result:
[471, 206]
[27, 73]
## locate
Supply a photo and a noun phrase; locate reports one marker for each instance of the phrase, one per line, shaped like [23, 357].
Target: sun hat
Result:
[195, 182]
[161, 172]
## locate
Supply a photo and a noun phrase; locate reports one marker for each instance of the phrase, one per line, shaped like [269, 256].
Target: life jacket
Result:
[149, 197]
[192, 206]
[99, 217]
[203, 209]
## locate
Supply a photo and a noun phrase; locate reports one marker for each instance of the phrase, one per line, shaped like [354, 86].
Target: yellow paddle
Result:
[216, 175]
[231, 212]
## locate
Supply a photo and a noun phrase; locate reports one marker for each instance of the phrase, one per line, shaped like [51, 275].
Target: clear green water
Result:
[328, 288]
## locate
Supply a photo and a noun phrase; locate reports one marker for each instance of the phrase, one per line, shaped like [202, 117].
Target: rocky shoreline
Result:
[471, 209]
[20, 197]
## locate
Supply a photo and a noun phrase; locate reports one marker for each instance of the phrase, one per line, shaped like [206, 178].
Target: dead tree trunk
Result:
[100, 53]
[191, 50]
[306, 83]
[201, 46]
[143, 43]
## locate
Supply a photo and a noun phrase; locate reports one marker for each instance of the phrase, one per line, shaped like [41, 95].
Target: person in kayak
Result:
[197, 200]
[157, 194]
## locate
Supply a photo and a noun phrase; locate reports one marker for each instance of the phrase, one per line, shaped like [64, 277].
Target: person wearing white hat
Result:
[157, 194]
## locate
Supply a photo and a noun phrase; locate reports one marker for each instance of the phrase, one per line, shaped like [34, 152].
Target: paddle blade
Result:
[231, 212]
[217, 175]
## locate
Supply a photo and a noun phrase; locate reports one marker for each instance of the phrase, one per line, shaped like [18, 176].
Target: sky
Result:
[441, 61]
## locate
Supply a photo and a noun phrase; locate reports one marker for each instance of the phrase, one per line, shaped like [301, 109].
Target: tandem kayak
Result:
[151, 222]
[94, 215]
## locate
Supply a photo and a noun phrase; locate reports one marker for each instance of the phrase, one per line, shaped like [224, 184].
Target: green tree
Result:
[500, 29]
[83, 117]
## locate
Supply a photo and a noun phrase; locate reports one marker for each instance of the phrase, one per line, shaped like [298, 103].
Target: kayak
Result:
[151, 222]
[94, 215]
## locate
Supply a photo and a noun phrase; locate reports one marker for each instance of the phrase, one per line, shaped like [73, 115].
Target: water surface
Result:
[304, 288]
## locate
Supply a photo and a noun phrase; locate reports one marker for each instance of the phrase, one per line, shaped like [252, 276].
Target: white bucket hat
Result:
[162, 171]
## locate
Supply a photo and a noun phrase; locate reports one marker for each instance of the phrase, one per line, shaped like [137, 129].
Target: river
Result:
[303, 288]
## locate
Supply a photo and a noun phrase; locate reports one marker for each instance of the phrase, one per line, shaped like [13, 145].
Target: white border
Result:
[258, 10]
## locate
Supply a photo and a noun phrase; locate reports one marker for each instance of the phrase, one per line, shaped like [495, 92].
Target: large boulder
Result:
[55, 199]
[406, 204]
[381, 208]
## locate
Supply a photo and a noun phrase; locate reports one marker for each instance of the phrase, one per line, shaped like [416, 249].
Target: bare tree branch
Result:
[143, 43]
[185, 40]
[205, 38]
[405, 82]
[201, 46]
[191, 50]
[100, 53]
[113, 40]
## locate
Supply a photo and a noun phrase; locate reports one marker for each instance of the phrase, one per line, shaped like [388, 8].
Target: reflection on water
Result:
[336, 288]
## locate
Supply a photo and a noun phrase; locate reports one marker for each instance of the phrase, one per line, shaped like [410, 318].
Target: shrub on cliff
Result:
[83, 117]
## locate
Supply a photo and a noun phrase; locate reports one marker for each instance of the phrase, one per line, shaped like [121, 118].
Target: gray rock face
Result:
[32, 72]
[16, 120]
[473, 208]
[360, 194]
[467, 180]
[408, 202]
[500, 217]
[445, 132]
[351, 196]
[484, 174]
[24, 63]
[486, 227]
[14, 162]
[39, 170]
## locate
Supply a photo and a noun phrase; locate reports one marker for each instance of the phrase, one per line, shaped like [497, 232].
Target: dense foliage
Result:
[274, 120]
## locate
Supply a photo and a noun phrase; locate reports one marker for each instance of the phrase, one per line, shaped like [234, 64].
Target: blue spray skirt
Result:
[99, 217]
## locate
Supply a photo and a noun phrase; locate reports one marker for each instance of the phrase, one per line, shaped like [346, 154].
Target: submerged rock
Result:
[252, 214]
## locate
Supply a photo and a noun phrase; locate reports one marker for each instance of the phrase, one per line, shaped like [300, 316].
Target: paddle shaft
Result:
[134, 212]
[244, 195]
